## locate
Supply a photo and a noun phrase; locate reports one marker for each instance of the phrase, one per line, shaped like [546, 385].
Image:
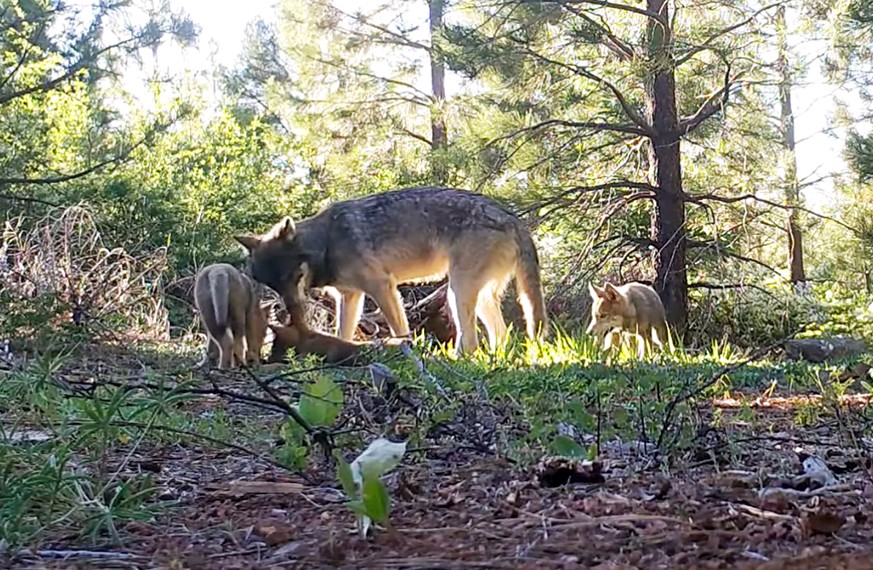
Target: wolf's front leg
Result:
[388, 299]
[351, 304]
[611, 338]
[642, 343]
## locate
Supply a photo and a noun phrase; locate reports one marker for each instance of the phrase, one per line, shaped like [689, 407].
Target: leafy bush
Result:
[752, 317]
[850, 312]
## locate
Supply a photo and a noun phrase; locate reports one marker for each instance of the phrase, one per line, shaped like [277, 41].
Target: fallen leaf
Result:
[553, 471]
[275, 532]
[818, 473]
[287, 550]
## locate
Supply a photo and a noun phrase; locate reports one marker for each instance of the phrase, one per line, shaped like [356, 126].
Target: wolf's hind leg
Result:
[238, 333]
[463, 296]
[225, 350]
[256, 331]
[660, 337]
[488, 311]
[210, 353]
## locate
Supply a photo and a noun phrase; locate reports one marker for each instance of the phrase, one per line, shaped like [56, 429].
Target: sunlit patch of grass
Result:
[569, 379]
[787, 403]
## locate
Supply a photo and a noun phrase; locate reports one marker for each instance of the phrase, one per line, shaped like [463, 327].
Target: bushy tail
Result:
[529, 285]
[219, 288]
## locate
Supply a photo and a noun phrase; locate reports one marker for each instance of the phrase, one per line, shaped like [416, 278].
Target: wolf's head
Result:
[277, 260]
[608, 308]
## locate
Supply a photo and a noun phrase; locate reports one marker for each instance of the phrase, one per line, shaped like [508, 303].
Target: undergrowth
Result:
[68, 433]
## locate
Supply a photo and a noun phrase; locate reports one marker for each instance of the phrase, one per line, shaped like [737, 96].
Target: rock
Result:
[822, 349]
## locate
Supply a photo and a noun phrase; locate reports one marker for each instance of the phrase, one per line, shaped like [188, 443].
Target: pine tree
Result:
[55, 122]
[357, 78]
[594, 80]
[790, 183]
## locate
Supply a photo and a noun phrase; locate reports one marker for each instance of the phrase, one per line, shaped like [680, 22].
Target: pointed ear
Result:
[284, 229]
[251, 243]
[611, 292]
[595, 291]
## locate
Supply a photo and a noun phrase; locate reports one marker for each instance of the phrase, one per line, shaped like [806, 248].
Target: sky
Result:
[222, 29]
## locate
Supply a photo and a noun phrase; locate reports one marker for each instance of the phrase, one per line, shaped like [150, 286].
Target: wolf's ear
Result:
[611, 292]
[284, 229]
[596, 292]
[251, 243]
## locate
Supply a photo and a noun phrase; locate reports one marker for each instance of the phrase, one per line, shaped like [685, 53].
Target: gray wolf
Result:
[370, 245]
[232, 315]
[633, 308]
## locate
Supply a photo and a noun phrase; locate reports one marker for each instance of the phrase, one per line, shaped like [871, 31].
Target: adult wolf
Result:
[370, 245]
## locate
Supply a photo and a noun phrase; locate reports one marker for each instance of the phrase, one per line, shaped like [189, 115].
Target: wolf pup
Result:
[305, 341]
[232, 315]
[370, 245]
[632, 307]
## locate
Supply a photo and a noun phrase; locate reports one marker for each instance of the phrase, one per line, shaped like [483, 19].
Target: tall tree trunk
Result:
[790, 184]
[668, 222]
[439, 133]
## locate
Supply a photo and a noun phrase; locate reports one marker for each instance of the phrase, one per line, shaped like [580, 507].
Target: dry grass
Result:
[57, 272]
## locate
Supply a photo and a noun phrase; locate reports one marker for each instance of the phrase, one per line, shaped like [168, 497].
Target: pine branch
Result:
[708, 42]
[615, 44]
[645, 190]
[81, 65]
[627, 129]
[644, 128]
[606, 4]
[117, 159]
[713, 104]
[701, 198]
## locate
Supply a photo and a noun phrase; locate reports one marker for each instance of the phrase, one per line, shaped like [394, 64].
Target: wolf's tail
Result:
[219, 288]
[529, 285]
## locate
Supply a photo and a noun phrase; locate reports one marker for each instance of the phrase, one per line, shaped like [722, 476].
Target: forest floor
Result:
[470, 492]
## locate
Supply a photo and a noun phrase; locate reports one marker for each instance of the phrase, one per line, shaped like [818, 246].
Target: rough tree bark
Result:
[790, 185]
[668, 223]
[439, 133]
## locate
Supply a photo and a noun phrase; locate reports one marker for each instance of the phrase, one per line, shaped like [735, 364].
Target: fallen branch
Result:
[195, 435]
[78, 554]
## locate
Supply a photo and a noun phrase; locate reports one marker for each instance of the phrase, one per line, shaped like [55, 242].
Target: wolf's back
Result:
[647, 303]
